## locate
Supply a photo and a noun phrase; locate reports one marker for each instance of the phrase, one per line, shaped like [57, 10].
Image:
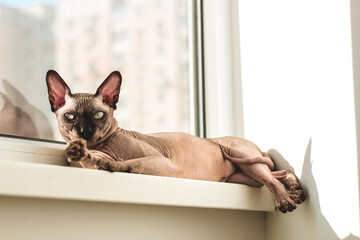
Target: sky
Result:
[21, 3]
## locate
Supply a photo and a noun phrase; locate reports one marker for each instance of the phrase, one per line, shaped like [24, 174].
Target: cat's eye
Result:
[99, 115]
[69, 116]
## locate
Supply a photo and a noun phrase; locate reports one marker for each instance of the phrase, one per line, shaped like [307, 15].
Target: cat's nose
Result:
[85, 134]
[85, 131]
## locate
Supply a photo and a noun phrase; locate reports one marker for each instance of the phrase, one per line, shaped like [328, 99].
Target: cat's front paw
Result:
[111, 165]
[76, 150]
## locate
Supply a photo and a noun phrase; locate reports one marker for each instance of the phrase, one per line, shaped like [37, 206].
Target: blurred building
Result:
[146, 40]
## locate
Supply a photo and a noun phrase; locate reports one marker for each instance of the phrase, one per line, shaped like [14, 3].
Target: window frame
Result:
[223, 87]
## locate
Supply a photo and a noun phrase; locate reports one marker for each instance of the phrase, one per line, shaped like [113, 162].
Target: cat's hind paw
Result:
[76, 150]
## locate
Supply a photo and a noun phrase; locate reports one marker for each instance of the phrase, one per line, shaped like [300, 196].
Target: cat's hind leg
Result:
[242, 178]
[257, 166]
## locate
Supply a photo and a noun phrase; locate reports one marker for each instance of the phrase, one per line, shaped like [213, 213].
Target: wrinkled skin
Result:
[99, 143]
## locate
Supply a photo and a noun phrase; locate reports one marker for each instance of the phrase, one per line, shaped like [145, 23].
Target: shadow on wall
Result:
[307, 222]
[19, 117]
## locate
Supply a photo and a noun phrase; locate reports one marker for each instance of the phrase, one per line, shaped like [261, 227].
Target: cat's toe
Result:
[76, 150]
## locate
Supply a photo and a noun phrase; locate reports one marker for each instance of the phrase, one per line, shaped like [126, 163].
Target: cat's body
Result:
[94, 139]
[182, 155]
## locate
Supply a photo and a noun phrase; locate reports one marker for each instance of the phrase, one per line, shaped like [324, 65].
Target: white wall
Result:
[298, 93]
[43, 219]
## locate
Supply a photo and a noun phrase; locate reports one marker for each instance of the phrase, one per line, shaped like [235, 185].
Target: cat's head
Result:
[84, 115]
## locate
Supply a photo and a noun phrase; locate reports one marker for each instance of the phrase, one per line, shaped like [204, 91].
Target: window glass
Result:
[85, 40]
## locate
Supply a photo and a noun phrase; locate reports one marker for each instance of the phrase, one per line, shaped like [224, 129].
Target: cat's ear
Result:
[110, 89]
[57, 90]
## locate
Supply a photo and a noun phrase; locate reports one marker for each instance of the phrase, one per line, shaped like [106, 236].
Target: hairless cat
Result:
[95, 141]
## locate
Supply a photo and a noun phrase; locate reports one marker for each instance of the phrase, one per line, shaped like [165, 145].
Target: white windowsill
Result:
[26, 177]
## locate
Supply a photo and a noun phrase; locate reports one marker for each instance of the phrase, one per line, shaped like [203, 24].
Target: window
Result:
[84, 41]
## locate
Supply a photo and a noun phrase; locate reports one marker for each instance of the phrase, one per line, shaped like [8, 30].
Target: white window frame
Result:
[223, 94]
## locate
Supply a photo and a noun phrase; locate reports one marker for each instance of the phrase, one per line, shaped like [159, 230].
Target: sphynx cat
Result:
[95, 141]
